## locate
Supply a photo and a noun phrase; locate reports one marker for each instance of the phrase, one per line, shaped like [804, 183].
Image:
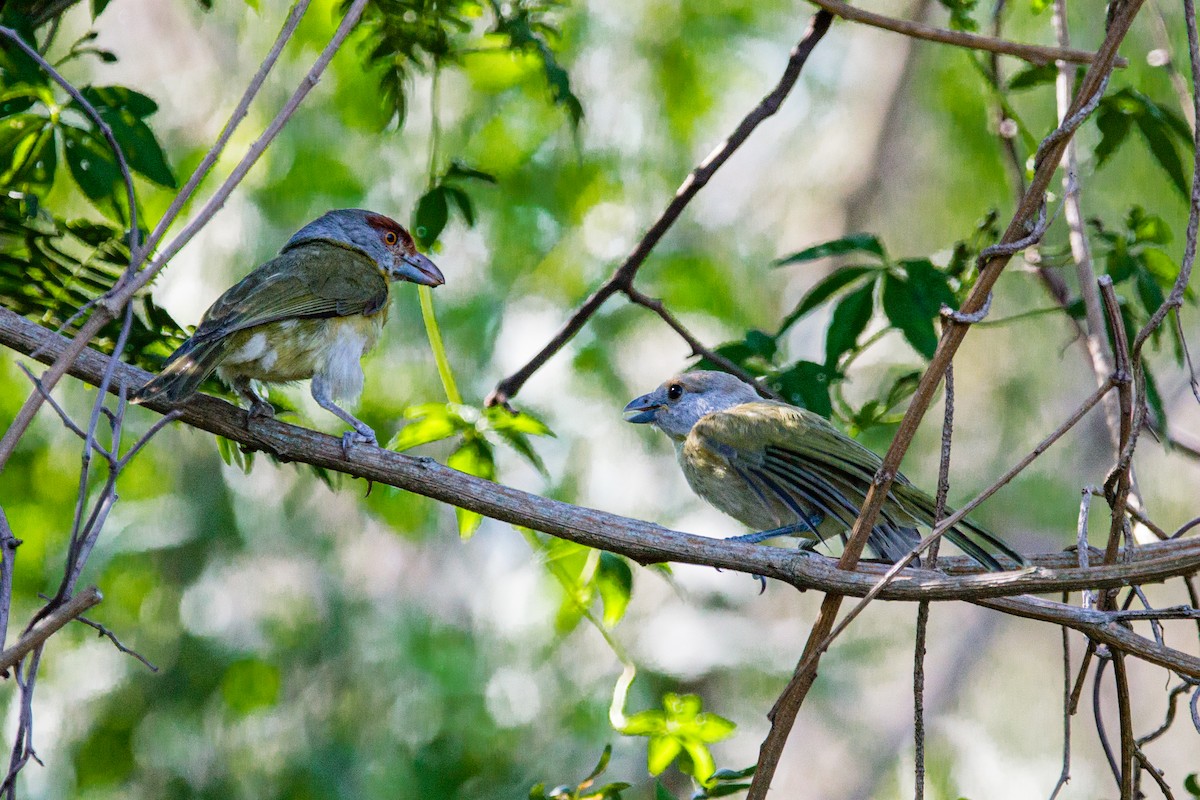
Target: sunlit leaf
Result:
[823, 290]
[856, 243]
[614, 582]
[660, 752]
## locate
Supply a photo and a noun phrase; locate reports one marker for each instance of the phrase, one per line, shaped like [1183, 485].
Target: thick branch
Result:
[649, 543]
[51, 623]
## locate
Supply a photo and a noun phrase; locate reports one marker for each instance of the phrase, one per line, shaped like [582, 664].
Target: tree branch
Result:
[622, 278]
[1033, 53]
[649, 543]
[49, 624]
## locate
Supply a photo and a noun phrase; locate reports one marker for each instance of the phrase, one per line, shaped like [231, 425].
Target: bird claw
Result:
[259, 409]
[360, 435]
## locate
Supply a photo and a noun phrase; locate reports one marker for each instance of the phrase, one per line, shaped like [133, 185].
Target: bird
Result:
[312, 312]
[780, 469]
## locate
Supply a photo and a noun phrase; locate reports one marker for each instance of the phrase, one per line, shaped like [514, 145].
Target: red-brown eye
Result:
[389, 238]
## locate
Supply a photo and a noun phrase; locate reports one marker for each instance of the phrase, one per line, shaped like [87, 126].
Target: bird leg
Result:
[259, 407]
[362, 433]
[806, 526]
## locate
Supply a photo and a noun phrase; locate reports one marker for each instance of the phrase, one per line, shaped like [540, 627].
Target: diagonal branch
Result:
[1030, 209]
[1033, 53]
[622, 279]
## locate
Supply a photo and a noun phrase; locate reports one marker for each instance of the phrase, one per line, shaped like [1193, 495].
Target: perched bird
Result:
[310, 312]
[783, 470]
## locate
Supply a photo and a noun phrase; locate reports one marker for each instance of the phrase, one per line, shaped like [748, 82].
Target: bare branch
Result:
[8, 554]
[698, 348]
[239, 113]
[48, 626]
[112, 637]
[622, 278]
[1035, 54]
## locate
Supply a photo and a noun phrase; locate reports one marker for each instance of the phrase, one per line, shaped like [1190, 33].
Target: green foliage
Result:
[725, 782]
[526, 26]
[1163, 130]
[586, 789]
[1191, 784]
[960, 14]
[680, 734]
[405, 37]
[478, 432]
[50, 269]
[433, 209]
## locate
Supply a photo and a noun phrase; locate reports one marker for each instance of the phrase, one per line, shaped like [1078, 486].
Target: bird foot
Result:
[803, 530]
[259, 409]
[361, 434]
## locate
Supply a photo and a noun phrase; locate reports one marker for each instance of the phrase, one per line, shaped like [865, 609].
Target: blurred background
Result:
[316, 640]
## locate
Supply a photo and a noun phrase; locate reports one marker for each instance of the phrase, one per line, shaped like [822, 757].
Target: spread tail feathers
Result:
[184, 371]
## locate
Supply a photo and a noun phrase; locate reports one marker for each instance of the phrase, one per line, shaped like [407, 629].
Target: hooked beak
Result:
[418, 269]
[641, 410]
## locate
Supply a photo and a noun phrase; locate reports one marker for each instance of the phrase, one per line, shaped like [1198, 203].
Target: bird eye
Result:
[389, 238]
[674, 391]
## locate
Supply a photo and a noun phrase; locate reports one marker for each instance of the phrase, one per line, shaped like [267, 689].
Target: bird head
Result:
[677, 405]
[381, 238]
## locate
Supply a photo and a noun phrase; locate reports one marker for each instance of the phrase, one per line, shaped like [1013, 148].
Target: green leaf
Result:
[1192, 784]
[702, 764]
[905, 313]
[118, 100]
[27, 151]
[601, 765]
[474, 457]
[431, 217]
[855, 243]
[645, 723]
[463, 201]
[92, 164]
[98, 7]
[661, 793]
[660, 752]
[1033, 76]
[713, 727]
[1114, 127]
[823, 290]
[430, 422]
[726, 789]
[614, 582]
[805, 384]
[1163, 149]
[850, 318]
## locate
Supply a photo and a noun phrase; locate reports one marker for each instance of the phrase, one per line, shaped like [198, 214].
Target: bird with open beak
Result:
[784, 470]
[310, 312]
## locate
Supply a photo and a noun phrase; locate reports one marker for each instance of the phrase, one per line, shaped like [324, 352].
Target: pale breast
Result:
[715, 479]
[297, 349]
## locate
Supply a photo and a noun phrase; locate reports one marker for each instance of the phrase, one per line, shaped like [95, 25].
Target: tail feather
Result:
[184, 371]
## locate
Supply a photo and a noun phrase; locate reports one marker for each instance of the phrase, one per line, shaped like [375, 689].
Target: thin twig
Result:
[1125, 718]
[1064, 777]
[239, 113]
[1126, 432]
[623, 277]
[943, 490]
[8, 554]
[1035, 54]
[698, 349]
[112, 637]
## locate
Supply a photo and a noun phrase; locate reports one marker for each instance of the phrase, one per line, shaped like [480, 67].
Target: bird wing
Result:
[798, 458]
[316, 279]
[793, 456]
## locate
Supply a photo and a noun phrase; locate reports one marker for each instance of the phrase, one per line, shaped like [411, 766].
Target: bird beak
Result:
[418, 269]
[641, 410]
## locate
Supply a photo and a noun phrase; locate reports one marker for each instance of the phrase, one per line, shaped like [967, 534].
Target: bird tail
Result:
[184, 371]
[967, 536]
